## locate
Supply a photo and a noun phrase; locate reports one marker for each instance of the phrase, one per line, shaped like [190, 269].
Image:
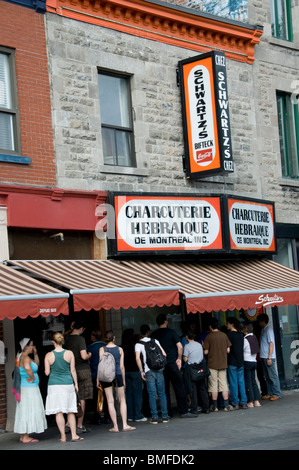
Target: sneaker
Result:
[81, 430]
[244, 406]
[140, 420]
[229, 408]
[153, 421]
[165, 420]
[189, 415]
[213, 408]
[236, 407]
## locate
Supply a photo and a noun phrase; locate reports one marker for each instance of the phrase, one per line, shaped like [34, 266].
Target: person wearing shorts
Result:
[119, 382]
[76, 343]
[217, 346]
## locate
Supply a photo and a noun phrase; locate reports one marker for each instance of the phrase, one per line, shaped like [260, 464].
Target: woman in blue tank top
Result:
[119, 381]
[30, 413]
[62, 387]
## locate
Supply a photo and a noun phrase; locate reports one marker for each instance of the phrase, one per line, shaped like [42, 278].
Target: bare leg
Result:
[61, 426]
[123, 409]
[80, 420]
[72, 423]
[111, 408]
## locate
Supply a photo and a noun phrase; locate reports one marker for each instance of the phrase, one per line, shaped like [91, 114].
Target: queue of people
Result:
[231, 357]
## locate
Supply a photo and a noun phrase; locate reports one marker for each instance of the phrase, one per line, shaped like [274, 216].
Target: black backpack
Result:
[155, 359]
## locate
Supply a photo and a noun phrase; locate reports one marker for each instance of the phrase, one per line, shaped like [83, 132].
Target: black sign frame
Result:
[224, 142]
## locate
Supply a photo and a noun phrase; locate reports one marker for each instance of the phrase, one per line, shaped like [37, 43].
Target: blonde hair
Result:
[58, 338]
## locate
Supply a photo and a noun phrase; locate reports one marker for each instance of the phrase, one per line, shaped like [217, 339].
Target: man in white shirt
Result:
[154, 378]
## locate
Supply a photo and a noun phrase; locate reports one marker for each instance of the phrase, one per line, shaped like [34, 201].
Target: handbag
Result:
[79, 413]
[100, 401]
[199, 371]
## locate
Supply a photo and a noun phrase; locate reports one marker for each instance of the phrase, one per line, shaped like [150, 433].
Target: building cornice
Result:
[165, 23]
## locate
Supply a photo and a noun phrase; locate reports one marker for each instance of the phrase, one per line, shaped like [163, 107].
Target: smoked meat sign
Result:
[251, 225]
[206, 124]
[167, 223]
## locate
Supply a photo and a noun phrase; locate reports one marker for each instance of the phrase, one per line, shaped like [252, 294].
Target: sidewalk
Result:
[273, 426]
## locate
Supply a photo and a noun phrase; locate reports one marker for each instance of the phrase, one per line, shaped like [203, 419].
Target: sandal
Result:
[32, 441]
[129, 428]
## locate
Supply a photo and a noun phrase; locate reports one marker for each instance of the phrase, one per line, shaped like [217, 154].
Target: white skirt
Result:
[30, 412]
[61, 399]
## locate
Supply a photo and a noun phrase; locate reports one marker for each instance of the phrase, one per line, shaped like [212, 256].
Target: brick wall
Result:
[24, 30]
[2, 388]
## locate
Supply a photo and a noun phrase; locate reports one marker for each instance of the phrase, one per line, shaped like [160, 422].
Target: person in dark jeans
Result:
[193, 354]
[251, 348]
[134, 386]
[172, 345]
[236, 364]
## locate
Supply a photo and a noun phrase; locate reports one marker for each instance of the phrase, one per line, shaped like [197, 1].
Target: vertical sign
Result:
[206, 115]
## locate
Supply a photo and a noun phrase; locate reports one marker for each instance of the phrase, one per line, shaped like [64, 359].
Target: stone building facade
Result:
[77, 50]
[145, 41]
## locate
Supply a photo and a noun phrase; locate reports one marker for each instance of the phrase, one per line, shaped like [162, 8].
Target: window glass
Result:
[6, 132]
[114, 99]
[281, 20]
[288, 123]
[9, 140]
[288, 318]
[116, 119]
[5, 94]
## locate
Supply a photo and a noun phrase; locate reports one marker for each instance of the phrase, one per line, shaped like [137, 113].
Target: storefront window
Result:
[288, 318]
[134, 318]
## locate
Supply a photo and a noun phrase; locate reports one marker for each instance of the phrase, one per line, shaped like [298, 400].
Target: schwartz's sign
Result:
[207, 137]
[159, 223]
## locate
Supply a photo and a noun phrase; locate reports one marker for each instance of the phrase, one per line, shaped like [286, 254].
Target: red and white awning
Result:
[96, 284]
[22, 296]
[206, 287]
[226, 285]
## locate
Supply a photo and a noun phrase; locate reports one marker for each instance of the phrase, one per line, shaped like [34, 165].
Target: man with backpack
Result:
[171, 343]
[150, 351]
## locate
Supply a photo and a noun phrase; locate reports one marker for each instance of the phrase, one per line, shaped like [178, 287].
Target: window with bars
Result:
[288, 123]
[116, 119]
[9, 118]
[281, 19]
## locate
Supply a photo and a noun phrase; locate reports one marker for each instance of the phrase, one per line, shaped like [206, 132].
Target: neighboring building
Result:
[33, 210]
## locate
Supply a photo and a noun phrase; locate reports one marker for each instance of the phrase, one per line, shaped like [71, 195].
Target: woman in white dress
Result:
[30, 413]
[62, 387]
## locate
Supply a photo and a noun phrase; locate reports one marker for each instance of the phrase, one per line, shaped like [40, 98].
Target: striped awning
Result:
[23, 296]
[96, 284]
[227, 285]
